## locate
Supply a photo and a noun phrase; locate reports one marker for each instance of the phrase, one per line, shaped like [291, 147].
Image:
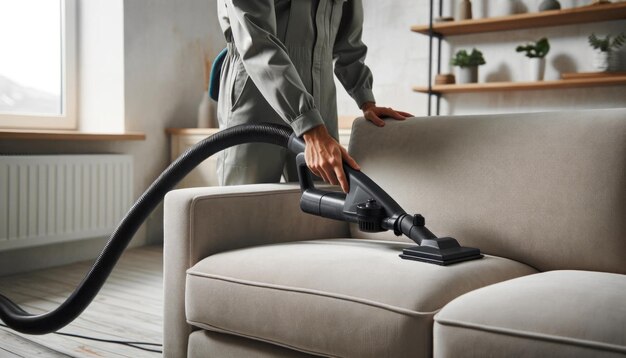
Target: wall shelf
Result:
[523, 86]
[578, 15]
[45, 134]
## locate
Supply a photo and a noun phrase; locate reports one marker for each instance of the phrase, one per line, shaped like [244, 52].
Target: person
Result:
[279, 68]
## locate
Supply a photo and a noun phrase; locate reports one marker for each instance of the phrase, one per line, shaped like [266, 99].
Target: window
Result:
[38, 64]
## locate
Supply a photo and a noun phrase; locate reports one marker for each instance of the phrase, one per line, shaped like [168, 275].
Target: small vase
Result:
[604, 61]
[537, 68]
[464, 10]
[467, 74]
[548, 5]
[504, 8]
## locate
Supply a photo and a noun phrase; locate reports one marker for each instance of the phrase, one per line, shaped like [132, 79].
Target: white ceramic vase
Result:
[603, 61]
[536, 68]
[463, 10]
[466, 74]
[504, 8]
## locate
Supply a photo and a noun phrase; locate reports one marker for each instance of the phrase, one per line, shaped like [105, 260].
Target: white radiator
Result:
[52, 198]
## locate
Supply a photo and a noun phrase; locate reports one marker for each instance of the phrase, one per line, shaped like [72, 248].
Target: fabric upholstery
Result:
[202, 221]
[551, 314]
[336, 297]
[206, 344]
[546, 189]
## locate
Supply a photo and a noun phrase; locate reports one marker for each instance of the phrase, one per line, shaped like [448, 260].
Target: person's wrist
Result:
[367, 105]
[315, 133]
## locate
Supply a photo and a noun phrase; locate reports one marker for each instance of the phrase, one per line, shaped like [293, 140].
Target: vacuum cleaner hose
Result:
[20, 320]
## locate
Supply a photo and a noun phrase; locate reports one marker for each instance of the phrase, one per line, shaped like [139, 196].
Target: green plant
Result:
[605, 44]
[538, 49]
[463, 59]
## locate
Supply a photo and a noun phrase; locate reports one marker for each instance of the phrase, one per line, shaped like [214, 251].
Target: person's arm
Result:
[265, 58]
[349, 52]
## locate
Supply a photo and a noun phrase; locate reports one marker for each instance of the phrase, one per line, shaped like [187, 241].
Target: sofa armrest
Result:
[199, 222]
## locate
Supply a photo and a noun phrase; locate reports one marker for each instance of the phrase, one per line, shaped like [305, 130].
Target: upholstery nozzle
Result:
[432, 249]
[443, 257]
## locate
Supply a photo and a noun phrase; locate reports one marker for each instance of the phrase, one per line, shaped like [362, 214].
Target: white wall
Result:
[399, 60]
[166, 42]
[101, 65]
[164, 45]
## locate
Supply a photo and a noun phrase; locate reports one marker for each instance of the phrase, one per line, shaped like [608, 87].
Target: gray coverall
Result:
[279, 68]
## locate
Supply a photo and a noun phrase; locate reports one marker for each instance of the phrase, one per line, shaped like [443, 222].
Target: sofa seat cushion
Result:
[336, 297]
[208, 344]
[551, 314]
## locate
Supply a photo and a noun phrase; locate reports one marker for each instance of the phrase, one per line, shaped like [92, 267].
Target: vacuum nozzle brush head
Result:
[442, 257]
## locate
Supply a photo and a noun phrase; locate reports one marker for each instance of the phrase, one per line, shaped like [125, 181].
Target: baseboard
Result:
[47, 256]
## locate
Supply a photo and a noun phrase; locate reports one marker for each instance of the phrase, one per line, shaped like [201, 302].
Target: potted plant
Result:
[467, 65]
[536, 52]
[604, 58]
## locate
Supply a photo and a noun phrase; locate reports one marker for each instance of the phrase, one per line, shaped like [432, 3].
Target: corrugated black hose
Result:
[20, 320]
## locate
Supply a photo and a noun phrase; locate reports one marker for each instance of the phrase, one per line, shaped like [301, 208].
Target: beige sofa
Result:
[247, 274]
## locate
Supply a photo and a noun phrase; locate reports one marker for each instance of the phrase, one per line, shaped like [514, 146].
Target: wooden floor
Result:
[129, 307]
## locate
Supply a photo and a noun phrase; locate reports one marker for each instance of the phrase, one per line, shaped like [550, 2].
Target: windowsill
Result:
[45, 134]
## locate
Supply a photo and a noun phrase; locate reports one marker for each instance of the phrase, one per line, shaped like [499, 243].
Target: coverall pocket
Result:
[239, 83]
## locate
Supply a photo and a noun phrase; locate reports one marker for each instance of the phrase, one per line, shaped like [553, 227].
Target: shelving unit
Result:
[524, 86]
[579, 15]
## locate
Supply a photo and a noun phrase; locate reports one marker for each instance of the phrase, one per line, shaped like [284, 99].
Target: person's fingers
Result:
[335, 165]
[324, 165]
[372, 117]
[315, 170]
[321, 170]
[329, 171]
[313, 163]
[342, 179]
[406, 114]
[323, 156]
[325, 159]
[393, 114]
[349, 160]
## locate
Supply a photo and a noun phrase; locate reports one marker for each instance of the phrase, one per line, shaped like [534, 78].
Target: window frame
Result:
[68, 118]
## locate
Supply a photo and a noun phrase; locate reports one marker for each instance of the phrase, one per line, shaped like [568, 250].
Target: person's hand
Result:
[324, 156]
[373, 113]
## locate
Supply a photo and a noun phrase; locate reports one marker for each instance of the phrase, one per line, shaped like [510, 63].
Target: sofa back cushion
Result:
[545, 189]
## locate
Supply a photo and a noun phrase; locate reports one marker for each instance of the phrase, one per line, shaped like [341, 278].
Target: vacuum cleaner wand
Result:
[369, 206]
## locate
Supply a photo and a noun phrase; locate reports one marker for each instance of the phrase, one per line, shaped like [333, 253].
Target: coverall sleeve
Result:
[349, 52]
[265, 58]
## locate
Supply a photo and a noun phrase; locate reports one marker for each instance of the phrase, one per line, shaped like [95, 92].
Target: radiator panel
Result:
[52, 198]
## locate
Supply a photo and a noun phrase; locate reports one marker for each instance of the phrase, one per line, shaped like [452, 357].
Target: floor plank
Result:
[16, 346]
[129, 307]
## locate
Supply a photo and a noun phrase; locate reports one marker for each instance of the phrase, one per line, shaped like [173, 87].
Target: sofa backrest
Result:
[545, 189]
